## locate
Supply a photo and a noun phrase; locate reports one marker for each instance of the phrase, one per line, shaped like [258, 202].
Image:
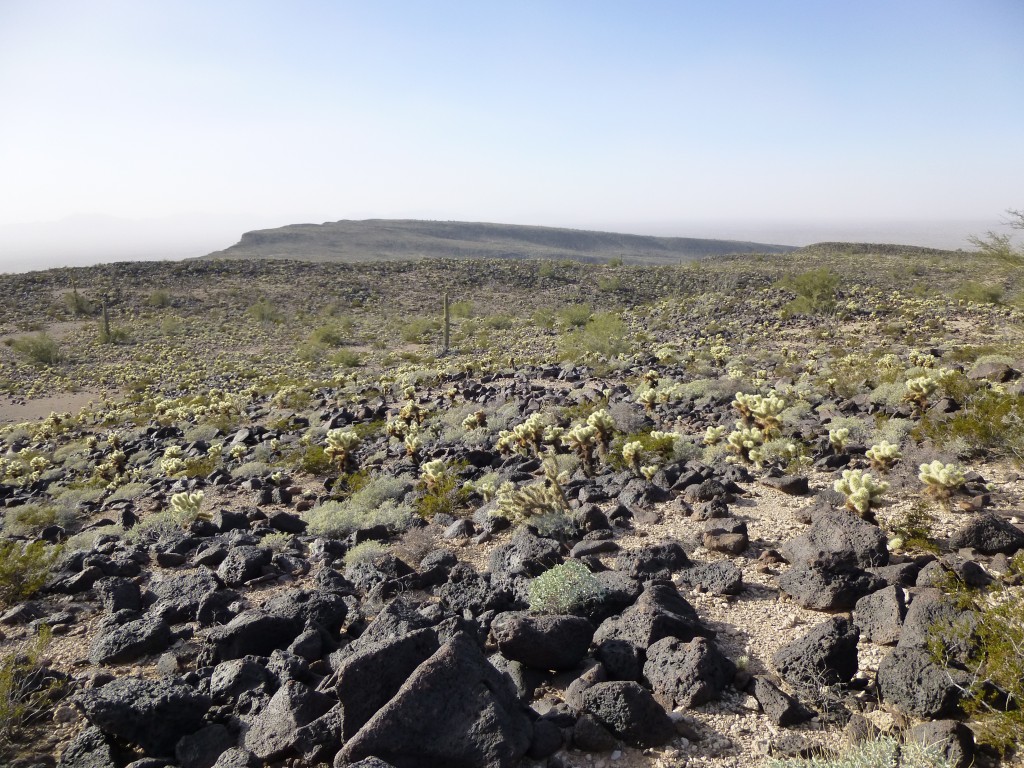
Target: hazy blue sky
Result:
[173, 125]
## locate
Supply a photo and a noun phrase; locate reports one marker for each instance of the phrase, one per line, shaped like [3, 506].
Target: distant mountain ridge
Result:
[404, 239]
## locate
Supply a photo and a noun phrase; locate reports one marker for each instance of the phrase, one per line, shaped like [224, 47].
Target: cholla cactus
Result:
[839, 438]
[172, 462]
[941, 480]
[647, 396]
[186, 507]
[762, 410]
[861, 490]
[919, 390]
[412, 412]
[604, 424]
[884, 455]
[714, 435]
[649, 471]
[475, 420]
[238, 450]
[743, 440]
[413, 444]
[341, 443]
[432, 473]
[529, 502]
[631, 454]
[583, 439]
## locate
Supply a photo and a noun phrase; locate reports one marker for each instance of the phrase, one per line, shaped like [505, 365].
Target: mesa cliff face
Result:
[389, 240]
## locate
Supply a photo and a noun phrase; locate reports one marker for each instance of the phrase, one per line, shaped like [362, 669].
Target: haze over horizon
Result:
[167, 129]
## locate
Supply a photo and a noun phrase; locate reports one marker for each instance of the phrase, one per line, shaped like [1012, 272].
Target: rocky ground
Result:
[380, 605]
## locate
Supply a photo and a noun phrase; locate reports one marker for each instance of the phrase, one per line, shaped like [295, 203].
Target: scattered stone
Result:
[543, 642]
[827, 655]
[989, 534]
[687, 674]
[630, 712]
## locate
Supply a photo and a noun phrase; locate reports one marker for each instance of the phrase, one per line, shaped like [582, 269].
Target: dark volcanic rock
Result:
[130, 641]
[178, 596]
[989, 535]
[151, 714]
[827, 655]
[89, 749]
[660, 612]
[202, 748]
[454, 710]
[630, 712]
[271, 735]
[879, 616]
[721, 577]
[369, 678]
[839, 538]
[252, 633]
[778, 705]
[687, 674]
[955, 741]
[653, 561]
[543, 642]
[909, 680]
[824, 588]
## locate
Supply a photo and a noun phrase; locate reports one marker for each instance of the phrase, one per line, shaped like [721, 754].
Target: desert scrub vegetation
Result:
[379, 502]
[994, 640]
[24, 569]
[25, 691]
[884, 751]
[564, 589]
[40, 349]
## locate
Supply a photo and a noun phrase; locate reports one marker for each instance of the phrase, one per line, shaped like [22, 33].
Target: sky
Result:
[166, 128]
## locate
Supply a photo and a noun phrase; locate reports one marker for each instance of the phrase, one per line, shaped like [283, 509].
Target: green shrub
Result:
[417, 328]
[346, 358]
[364, 552]
[159, 298]
[461, 309]
[604, 335]
[77, 304]
[39, 349]
[24, 569]
[815, 292]
[23, 696]
[564, 589]
[498, 322]
[377, 503]
[882, 752]
[543, 318]
[979, 293]
[29, 519]
[575, 315]
[265, 312]
[995, 699]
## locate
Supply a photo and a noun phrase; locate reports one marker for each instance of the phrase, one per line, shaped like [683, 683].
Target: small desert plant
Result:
[564, 589]
[276, 542]
[815, 292]
[24, 569]
[861, 489]
[24, 693]
[575, 315]
[39, 349]
[884, 455]
[912, 530]
[265, 312]
[159, 298]
[187, 507]
[340, 445]
[919, 390]
[995, 698]
[743, 440]
[376, 503]
[941, 480]
[442, 491]
[882, 752]
[364, 552]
